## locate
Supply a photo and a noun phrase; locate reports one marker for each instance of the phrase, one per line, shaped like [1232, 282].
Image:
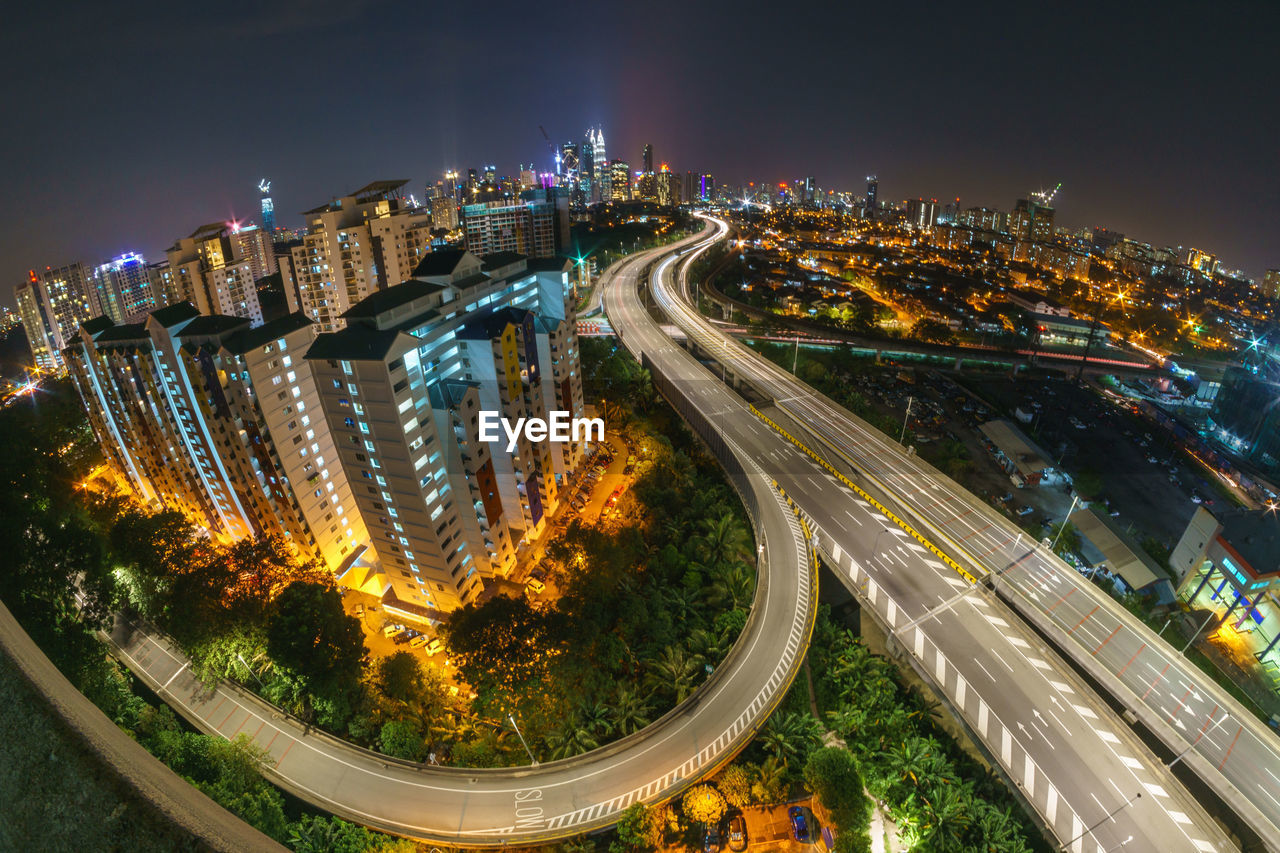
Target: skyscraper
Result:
[354, 246]
[873, 192]
[53, 304]
[620, 180]
[210, 272]
[648, 159]
[222, 422]
[123, 287]
[268, 210]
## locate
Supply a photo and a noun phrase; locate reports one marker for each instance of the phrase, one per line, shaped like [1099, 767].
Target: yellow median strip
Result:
[888, 513]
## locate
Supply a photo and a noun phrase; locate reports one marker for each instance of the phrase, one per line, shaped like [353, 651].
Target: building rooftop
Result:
[490, 325]
[210, 325]
[171, 315]
[97, 324]
[488, 263]
[393, 297]
[549, 265]
[249, 339]
[354, 343]
[1255, 536]
[378, 189]
[209, 229]
[1013, 443]
[1124, 556]
[125, 332]
[442, 262]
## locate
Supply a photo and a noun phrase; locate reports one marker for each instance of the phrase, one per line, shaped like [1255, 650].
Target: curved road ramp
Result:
[139, 794]
[531, 805]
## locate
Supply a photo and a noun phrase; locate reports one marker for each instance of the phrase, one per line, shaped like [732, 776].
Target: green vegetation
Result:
[646, 610]
[939, 796]
[221, 602]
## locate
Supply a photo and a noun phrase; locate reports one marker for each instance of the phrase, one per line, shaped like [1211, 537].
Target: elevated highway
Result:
[1094, 785]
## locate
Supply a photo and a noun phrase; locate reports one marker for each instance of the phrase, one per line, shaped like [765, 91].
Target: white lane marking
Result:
[1156, 789]
[1130, 762]
[982, 717]
[1106, 735]
[1006, 746]
[961, 687]
[1051, 806]
[1085, 711]
[1029, 775]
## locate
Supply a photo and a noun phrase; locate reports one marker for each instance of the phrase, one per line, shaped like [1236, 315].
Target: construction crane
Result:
[1045, 197]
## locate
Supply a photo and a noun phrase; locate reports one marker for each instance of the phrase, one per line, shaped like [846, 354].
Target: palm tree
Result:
[630, 712]
[997, 831]
[708, 647]
[596, 718]
[679, 601]
[672, 671]
[788, 735]
[733, 585]
[723, 540]
[947, 818]
[913, 759]
[771, 779]
[572, 738]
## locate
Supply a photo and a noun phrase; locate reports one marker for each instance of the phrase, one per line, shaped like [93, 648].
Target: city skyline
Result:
[1137, 157]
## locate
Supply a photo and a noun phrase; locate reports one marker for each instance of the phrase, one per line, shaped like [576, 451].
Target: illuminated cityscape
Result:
[873, 446]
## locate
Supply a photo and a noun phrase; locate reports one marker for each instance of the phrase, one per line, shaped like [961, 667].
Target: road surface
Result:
[1075, 761]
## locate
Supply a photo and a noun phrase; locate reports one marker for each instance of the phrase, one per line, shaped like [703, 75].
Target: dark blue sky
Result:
[128, 125]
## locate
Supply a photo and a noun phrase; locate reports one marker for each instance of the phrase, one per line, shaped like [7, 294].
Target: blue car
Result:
[799, 825]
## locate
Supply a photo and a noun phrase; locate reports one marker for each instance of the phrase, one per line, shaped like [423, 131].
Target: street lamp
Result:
[1196, 742]
[512, 719]
[1063, 527]
[907, 415]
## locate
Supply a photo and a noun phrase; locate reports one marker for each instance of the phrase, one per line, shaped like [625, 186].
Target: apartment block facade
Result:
[219, 420]
[209, 270]
[354, 246]
[402, 386]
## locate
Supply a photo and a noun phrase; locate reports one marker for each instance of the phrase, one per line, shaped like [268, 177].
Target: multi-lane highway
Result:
[1225, 744]
[1091, 781]
[529, 805]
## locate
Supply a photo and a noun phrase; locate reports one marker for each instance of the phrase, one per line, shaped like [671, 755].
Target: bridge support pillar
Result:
[878, 352]
[959, 362]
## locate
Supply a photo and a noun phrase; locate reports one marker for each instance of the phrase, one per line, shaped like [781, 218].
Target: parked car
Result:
[799, 824]
[358, 610]
[392, 630]
[534, 585]
[711, 841]
[737, 834]
[401, 638]
[419, 641]
[434, 645]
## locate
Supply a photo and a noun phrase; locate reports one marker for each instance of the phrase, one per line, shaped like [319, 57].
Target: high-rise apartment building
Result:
[353, 247]
[254, 245]
[402, 386]
[52, 304]
[123, 288]
[208, 271]
[620, 180]
[1031, 220]
[221, 421]
[444, 213]
[536, 224]
[1271, 283]
[923, 213]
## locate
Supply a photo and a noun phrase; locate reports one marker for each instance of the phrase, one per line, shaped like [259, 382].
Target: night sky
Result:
[128, 125]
